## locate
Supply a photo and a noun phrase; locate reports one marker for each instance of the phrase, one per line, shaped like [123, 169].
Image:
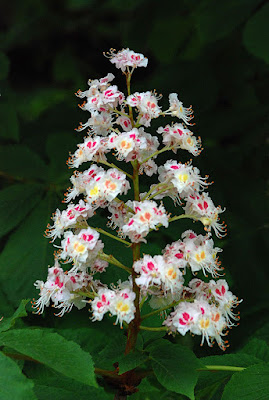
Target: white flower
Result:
[185, 178]
[82, 248]
[58, 289]
[127, 58]
[200, 253]
[176, 109]
[150, 270]
[68, 218]
[202, 207]
[147, 215]
[147, 105]
[178, 136]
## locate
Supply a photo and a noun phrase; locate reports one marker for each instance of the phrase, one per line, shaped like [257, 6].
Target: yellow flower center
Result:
[183, 178]
[204, 323]
[79, 247]
[94, 191]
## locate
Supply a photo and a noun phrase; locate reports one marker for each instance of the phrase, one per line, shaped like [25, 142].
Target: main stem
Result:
[135, 323]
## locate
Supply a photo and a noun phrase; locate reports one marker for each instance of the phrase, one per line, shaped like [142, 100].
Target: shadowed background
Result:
[214, 54]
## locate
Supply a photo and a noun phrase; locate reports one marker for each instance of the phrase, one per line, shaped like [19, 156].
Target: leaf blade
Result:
[53, 351]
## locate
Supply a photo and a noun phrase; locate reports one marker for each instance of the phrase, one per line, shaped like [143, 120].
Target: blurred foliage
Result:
[215, 55]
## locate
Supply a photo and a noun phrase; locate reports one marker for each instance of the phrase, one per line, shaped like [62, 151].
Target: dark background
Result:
[214, 54]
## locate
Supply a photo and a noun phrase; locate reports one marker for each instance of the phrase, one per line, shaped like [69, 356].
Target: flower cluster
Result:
[208, 311]
[60, 289]
[119, 302]
[118, 126]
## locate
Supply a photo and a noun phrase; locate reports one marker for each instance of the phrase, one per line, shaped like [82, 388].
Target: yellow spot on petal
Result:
[125, 145]
[197, 256]
[79, 247]
[94, 191]
[204, 323]
[183, 177]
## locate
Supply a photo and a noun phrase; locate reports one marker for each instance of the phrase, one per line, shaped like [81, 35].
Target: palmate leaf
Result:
[210, 384]
[19, 162]
[27, 253]
[175, 367]
[250, 384]
[15, 203]
[49, 384]
[255, 36]
[131, 361]
[7, 323]
[215, 20]
[13, 384]
[53, 351]
[4, 66]
[37, 102]
[9, 127]
[257, 348]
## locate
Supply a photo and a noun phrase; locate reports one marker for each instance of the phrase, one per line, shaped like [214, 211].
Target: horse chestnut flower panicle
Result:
[118, 125]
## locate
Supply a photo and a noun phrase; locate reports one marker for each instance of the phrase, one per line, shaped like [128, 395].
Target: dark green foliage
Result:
[53, 351]
[175, 367]
[215, 55]
[13, 384]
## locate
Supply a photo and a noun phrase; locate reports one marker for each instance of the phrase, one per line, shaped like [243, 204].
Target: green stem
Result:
[112, 236]
[144, 298]
[221, 368]
[160, 191]
[124, 205]
[112, 260]
[152, 190]
[153, 329]
[128, 83]
[111, 165]
[135, 323]
[166, 148]
[120, 112]
[85, 294]
[176, 217]
[174, 304]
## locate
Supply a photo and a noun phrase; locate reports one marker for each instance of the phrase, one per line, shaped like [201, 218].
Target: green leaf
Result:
[250, 384]
[175, 367]
[7, 323]
[111, 353]
[67, 390]
[215, 20]
[52, 350]
[65, 67]
[258, 348]
[9, 126]
[149, 389]
[32, 105]
[15, 203]
[131, 361]
[13, 384]
[4, 66]
[50, 384]
[27, 254]
[18, 161]
[211, 383]
[83, 336]
[255, 35]
[78, 4]
[263, 333]
[58, 148]
[173, 29]
[120, 5]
